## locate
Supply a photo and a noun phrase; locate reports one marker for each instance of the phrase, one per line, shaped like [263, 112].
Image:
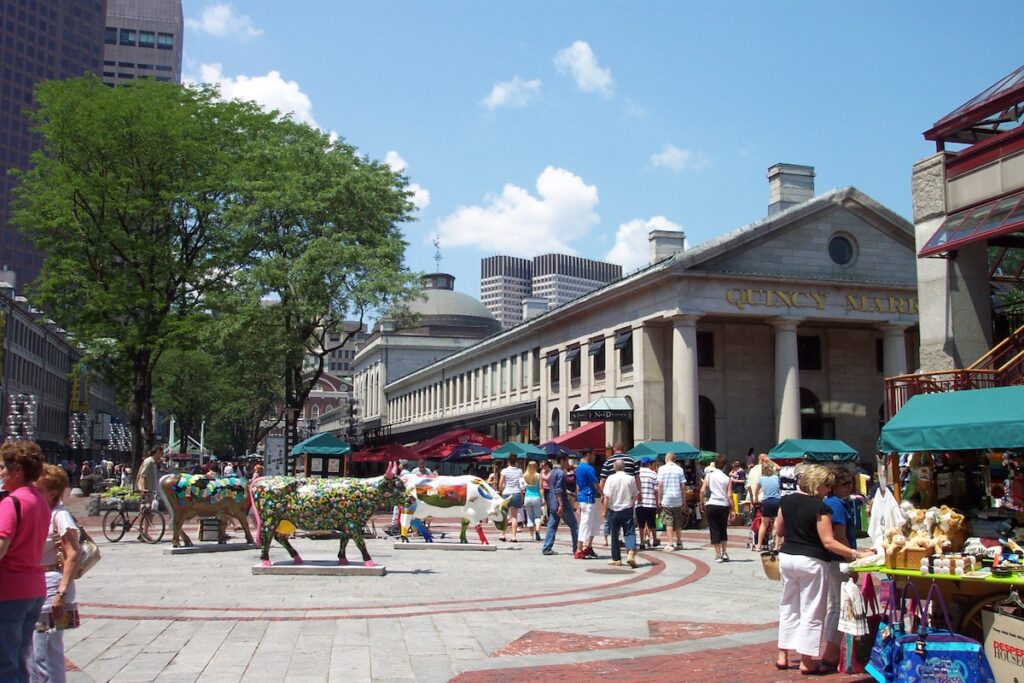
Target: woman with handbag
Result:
[60, 560]
[24, 515]
[803, 537]
[844, 531]
[716, 487]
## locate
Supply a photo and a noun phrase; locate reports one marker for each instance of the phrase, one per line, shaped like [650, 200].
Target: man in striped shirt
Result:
[647, 509]
[608, 469]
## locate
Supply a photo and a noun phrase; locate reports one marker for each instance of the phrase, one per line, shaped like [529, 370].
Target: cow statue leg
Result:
[342, 560]
[462, 531]
[243, 520]
[405, 521]
[266, 534]
[354, 531]
[283, 540]
[424, 532]
[480, 532]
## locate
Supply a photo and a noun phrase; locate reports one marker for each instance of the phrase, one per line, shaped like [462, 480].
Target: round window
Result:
[840, 248]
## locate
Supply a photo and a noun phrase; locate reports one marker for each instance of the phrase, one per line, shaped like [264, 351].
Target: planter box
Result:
[112, 503]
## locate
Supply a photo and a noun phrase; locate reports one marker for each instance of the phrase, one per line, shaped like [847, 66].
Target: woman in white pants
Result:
[804, 536]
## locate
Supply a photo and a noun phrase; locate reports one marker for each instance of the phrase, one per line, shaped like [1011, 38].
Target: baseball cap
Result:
[645, 461]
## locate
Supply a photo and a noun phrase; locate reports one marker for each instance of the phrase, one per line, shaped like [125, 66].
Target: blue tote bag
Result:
[882, 662]
[938, 654]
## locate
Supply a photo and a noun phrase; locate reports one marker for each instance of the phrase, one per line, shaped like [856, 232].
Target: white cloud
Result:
[420, 195]
[514, 93]
[579, 61]
[270, 91]
[220, 20]
[631, 249]
[680, 159]
[521, 224]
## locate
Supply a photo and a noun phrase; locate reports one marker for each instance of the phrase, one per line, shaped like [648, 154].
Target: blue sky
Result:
[529, 127]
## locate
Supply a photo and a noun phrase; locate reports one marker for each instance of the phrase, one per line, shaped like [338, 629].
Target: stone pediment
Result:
[795, 243]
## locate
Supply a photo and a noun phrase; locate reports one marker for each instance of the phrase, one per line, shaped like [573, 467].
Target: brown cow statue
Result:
[194, 495]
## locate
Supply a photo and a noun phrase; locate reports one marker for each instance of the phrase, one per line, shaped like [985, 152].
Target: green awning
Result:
[818, 450]
[957, 421]
[658, 449]
[521, 450]
[324, 443]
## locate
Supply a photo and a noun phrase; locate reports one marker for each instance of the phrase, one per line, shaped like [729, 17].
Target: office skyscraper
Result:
[143, 39]
[39, 40]
[506, 280]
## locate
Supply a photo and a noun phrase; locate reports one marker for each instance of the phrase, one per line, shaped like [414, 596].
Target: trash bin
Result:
[209, 529]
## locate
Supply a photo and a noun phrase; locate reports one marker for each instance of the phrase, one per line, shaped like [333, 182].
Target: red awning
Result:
[389, 453]
[441, 445]
[589, 435]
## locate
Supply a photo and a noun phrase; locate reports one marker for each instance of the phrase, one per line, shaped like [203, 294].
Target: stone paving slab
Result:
[433, 617]
[318, 568]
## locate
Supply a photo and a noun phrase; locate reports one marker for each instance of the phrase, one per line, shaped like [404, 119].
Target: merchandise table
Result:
[965, 595]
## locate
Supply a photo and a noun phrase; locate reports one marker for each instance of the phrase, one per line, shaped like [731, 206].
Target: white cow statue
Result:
[467, 497]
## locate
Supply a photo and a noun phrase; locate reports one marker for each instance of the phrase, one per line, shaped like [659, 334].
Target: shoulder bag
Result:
[89, 552]
[891, 629]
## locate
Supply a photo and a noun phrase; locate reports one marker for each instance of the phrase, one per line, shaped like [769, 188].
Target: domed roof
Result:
[440, 299]
[449, 302]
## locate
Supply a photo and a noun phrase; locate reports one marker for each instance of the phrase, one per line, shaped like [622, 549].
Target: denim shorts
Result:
[516, 501]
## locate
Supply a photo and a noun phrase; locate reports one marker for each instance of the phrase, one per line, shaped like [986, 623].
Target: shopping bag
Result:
[892, 627]
[855, 650]
[936, 653]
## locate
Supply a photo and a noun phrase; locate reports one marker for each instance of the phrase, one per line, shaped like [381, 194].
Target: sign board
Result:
[1004, 645]
[273, 455]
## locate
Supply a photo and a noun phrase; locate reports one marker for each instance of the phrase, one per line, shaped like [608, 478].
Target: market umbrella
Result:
[522, 450]
[391, 452]
[465, 451]
[707, 457]
[556, 450]
[656, 450]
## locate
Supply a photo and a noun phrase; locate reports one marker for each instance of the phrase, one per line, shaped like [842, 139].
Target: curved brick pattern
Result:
[726, 665]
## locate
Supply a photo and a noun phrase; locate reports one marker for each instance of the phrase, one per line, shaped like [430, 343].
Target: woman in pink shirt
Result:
[24, 523]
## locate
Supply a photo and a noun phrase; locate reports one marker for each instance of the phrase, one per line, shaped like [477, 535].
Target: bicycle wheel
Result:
[154, 533]
[114, 523]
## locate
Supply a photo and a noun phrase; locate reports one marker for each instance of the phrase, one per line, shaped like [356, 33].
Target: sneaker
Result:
[677, 546]
[719, 559]
[725, 557]
[588, 552]
[577, 555]
[536, 535]
[615, 563]
[549, 551]
[631, 558]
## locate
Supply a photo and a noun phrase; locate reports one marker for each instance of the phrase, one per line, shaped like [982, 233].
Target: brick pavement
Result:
[436, 616]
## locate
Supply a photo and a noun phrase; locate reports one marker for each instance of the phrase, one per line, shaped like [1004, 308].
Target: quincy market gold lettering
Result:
[776, 298]
[881, 304]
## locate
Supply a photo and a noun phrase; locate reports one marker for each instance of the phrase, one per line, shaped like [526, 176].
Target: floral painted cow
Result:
[337, 504]
[192, 495]
[470, 498]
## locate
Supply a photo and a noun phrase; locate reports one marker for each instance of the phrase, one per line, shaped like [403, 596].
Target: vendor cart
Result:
[965, 596]
[966, 430]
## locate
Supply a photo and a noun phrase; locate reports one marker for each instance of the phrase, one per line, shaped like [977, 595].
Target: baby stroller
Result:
[755, 527]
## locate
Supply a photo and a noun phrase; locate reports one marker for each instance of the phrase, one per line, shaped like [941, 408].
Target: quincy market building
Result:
[781, 329]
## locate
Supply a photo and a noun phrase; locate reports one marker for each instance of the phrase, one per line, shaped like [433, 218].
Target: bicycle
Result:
[117, 522]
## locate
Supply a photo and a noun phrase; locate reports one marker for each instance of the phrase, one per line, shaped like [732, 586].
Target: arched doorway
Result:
[814, 423]
[573, 424]
[706, 419]
[555, 423]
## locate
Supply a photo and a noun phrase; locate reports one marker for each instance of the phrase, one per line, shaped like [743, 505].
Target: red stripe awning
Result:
[589, 435]
[441, 445]
[388, 453]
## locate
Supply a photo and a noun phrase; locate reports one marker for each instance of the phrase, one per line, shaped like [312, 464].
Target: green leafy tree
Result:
[128, 196]
[321, 239]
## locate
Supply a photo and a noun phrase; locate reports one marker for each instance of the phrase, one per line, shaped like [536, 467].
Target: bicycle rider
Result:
[146, 484]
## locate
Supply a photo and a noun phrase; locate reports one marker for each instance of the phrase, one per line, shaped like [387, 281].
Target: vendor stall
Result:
[954, 459]
[813, 450]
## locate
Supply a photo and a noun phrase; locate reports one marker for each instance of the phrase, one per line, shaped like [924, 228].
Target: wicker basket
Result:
[770, 562]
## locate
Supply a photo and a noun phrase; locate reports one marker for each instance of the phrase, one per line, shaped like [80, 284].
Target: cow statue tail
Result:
[255, 509]
[161, 487]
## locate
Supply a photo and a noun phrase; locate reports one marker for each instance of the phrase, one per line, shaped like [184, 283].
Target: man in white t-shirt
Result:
[672, 498]
[619, 497]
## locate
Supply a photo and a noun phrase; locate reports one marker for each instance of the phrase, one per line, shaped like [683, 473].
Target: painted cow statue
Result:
[470, 498]
[337, 504]
[196, 495]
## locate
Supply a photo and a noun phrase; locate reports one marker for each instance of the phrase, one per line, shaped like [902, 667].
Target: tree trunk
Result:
[140, 413]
